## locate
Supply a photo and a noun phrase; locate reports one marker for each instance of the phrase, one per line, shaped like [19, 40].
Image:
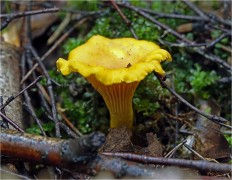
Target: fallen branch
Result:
[119, 168]
[74, 155]
[80, 155]
[196, 164]
[71, 154]
[50, 151]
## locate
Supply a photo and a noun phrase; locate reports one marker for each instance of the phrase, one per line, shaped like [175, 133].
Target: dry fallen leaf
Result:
[210, 142]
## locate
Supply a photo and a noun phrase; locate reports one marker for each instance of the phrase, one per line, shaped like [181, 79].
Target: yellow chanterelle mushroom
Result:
[115, 67]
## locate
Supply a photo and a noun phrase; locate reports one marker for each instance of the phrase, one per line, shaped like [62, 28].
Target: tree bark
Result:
[51, 151]
[10, 81]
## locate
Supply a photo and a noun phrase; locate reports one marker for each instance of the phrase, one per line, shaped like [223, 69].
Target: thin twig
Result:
[12, 123]
[55, 45]
[214, 118]
[60, 28]
[127, 21]
[170, 153]
[187, 17]
[30, 51]
[28, 101]
[200, 165]
[43, 99]
[211, 18]
[212, 43]
[194, 152]
[67, 121]
[215, 59]
[68, 131]
[4, 123]
[50, 90]
[45, 94]
[150, 18]
[173, 16]
[179, 36]
[206, 45]
[9, 100]
[41, 93]
[196, 9]
[11, 17]
[31, 111]
[27, 58]
[28, 105]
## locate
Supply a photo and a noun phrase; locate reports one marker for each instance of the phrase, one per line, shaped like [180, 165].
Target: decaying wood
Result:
[10, 80]
[51, 151]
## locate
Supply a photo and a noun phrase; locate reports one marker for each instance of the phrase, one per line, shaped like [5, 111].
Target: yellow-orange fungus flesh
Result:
[115, 67]
[118, 98]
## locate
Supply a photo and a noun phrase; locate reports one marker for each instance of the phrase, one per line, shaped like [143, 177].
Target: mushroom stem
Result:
[115, 67]
[118, 99]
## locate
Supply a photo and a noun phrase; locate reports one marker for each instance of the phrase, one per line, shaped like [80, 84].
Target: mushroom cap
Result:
[114, 61]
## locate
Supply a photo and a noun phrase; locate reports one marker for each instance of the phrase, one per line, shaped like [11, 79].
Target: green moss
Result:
[81, 103]
[229, 139]
[112, 26]
[191, 77]
[195, 81]
[201, 81]
[47, 127]
[148, 96]
[70, 44]
[88, 5]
